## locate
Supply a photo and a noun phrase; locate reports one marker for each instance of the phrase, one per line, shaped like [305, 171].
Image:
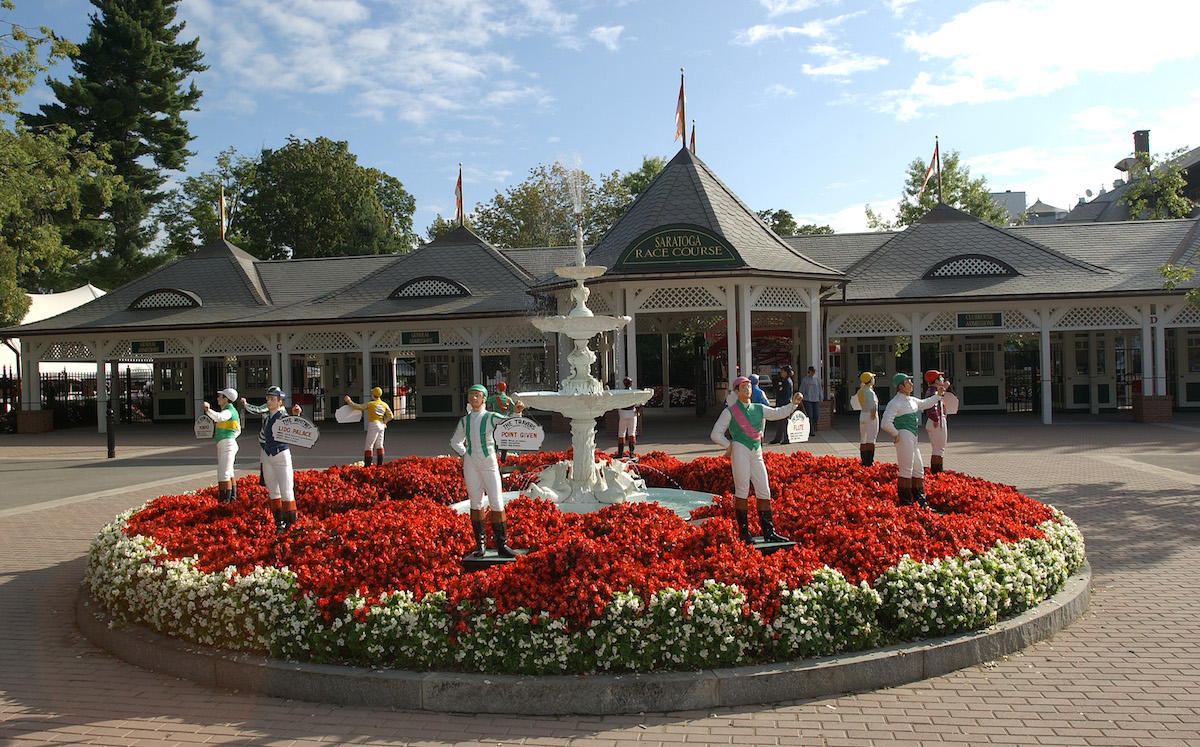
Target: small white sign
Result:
[296, 431]
[347, 414]
[950, 400]
[519, 434]
[855, 404]
[205, 427]
[797, 427]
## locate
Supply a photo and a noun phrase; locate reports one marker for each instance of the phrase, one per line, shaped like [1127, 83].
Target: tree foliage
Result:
[958, 190]
[1156, 190]
[189, 216]
[540, 211]
[128, 95]
[783, 223]
[44, 173]
[310, 198]
[439, 227]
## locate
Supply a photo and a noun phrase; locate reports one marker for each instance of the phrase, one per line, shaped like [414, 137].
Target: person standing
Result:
[757, 395]
[502, 404]
[935, 421]
[783, 395]
[275, 459]
[868, 418]
[378, 416]
[745, 420]
[900, 421]
[810, 387]
[627, 419]
[228, 427]
[474, 440]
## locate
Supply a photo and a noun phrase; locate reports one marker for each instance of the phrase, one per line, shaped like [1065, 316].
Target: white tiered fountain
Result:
[584, 484]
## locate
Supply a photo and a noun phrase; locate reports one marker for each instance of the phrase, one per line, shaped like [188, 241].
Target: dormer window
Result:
[167, 298]
[970, 266]
[430, 287]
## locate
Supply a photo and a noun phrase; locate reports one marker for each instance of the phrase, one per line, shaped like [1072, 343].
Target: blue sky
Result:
[816, 107]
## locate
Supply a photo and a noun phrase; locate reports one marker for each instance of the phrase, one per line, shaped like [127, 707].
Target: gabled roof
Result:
[234, 288]
[493, 283]
[1048, 260]
[687, 192]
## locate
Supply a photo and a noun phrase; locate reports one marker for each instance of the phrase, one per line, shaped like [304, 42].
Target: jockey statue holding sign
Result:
[276, 459]
[474, 441]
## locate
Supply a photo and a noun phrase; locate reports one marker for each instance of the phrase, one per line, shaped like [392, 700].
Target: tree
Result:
[635, 182]
[783, 223]
[958, 189]
[540, 211]
[43, 174]
[189, 216]
[128, 93]
[311, 199]
[439, 227]
[1156, 189]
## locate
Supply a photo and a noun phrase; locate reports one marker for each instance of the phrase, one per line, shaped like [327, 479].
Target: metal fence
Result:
[72, 397]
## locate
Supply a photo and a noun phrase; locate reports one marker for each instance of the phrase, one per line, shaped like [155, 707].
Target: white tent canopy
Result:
[43, 306]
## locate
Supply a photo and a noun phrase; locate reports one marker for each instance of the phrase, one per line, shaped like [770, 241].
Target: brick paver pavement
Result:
[1127, 673]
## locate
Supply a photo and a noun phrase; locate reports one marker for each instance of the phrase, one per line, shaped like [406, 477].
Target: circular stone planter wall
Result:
[592, 694]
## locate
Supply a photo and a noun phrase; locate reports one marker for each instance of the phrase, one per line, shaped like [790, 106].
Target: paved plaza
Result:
[1127, 673]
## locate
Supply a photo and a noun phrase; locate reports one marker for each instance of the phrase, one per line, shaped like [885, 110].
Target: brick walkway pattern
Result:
[1127, 673]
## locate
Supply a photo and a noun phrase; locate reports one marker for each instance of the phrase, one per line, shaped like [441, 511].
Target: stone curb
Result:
[593, 694]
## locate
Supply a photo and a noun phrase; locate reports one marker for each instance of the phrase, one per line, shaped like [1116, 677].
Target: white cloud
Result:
[841, 63]
[767, 32]
[1102, 118]
[1001, 50]
[851, 219]
[609, 36]
[778, 7]
[780, 91]
[898, 6]
[414, 60]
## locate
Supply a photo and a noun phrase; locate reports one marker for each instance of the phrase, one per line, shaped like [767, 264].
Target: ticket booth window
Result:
[1081, 357]
[172, 375]
[1193, 354]
[436, 371]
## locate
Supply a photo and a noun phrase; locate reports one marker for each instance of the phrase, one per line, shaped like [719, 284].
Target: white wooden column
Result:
[1160, 350]
[365, 347]
[915, 320]
[1047, 373]
[816, 348]
[665, 347]
[744, 333]
[630, 337]
[1147, 351]
[731, 335]
[198, 394]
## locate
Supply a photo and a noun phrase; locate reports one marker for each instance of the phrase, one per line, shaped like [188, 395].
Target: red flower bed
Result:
[377, 529]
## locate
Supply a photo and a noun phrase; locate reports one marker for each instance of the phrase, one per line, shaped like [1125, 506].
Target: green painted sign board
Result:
[977, 319]
[142, 347]
[420, 338]
[678, 247]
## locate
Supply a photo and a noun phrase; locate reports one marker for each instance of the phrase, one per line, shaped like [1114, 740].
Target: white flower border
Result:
[676, 629]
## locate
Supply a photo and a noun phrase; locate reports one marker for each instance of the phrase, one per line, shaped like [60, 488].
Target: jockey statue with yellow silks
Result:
[378, 416]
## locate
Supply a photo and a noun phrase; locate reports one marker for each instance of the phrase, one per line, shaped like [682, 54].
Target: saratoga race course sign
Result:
[296, 431]
[519, 434]
[679, 247]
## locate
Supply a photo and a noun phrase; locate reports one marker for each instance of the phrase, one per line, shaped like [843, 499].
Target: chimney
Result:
[1141, 142]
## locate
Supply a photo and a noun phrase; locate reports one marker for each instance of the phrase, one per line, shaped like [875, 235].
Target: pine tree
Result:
[128, 92]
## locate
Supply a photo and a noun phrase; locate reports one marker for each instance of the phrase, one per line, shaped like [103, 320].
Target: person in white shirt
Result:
[810, 387]
[627, 418]
[900, 420]
[475, 441]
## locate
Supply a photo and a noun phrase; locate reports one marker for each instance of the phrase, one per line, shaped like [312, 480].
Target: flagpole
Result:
[680, 113]
[221, 207]
[937, 152]
[693, 144]
[458, 197]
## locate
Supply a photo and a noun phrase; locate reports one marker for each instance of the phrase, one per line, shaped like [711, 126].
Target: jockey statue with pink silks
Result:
[745, 421]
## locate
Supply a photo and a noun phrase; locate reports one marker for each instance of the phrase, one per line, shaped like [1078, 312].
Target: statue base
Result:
[489, 559]
[766, 548]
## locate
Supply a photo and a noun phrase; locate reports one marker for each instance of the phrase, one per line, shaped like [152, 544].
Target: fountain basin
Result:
[579, 327]
[576, 406]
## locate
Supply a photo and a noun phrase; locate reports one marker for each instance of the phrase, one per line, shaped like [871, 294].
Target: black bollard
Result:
[111, 424]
